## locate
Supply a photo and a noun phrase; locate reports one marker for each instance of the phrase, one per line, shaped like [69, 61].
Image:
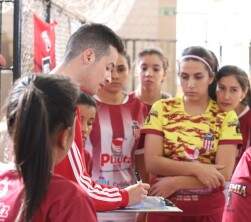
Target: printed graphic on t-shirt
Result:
[192, 138]
[4, 209]
[239, 189]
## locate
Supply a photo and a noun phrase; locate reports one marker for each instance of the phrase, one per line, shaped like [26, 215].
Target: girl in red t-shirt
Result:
[41, 123]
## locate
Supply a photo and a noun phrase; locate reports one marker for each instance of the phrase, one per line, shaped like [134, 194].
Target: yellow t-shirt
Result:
[191, 138]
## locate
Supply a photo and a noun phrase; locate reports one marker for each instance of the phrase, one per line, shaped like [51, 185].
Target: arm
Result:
[226, 156]
[189, 182]
[174, 184]
[157, 164]
[104, 197]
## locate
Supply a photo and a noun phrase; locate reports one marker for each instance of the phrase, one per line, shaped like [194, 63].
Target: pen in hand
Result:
[139, 180]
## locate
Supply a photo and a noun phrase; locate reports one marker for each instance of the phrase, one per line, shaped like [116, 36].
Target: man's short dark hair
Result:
[92, 35]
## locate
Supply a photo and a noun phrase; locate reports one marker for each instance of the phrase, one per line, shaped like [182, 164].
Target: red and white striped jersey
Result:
[73, 167]
[113, 140]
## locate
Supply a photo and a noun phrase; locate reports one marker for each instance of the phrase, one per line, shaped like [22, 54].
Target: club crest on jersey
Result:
[208, 142]
[117, 144]
[239, 189]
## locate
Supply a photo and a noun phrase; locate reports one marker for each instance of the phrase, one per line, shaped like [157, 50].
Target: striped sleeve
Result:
[73, 167]
[104, 197]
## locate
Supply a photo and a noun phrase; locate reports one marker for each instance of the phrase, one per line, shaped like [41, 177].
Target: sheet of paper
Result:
[151, 204]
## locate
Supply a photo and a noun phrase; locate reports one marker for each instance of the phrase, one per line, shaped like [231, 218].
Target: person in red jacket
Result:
[91, 54]
[41, 122]
[238, 205]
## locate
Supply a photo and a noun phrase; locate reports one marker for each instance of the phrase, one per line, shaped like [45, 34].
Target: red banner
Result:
[44, 45]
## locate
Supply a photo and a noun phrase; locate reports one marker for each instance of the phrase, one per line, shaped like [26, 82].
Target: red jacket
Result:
[74, 168]
[238, 205]
[64, 200]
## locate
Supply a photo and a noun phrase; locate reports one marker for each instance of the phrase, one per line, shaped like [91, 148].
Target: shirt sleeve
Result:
[230, 131]
[78, 208]
[154, 121]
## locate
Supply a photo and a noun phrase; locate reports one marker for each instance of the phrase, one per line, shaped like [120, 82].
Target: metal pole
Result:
[17, 39]
[1, 15]
[133, 59]
[48, 11]
[250, 57]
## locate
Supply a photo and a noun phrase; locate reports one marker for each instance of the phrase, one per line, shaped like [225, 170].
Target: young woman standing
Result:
[186, 143]
[151, 67]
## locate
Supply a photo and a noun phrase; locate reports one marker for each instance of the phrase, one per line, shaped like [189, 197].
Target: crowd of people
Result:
[79, 136]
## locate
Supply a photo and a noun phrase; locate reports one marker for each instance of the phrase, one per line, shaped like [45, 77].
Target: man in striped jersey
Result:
[90, 56]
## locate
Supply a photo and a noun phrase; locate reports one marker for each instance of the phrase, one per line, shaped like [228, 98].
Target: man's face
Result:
[100, 71]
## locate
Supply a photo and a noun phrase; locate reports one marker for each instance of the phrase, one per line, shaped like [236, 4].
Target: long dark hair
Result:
[202, 53]
[241, 77]
[210, 58]
[38, 107]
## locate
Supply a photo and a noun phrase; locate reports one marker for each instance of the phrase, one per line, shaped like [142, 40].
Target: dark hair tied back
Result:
[38, 107]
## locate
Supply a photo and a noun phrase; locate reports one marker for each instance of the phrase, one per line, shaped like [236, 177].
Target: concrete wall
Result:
[154, 20]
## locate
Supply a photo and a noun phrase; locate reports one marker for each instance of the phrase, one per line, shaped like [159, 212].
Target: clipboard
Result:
[151, 204]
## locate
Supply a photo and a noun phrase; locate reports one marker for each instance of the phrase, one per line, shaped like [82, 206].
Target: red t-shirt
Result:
[238, 205]
[64, 201]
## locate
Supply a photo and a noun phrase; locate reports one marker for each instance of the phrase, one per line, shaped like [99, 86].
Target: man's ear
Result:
[88, 56]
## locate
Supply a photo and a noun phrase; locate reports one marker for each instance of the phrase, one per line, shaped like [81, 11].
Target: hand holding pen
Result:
[138, 178]
[138, 191]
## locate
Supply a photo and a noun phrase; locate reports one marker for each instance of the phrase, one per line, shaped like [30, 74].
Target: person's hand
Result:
[137, 192]
[209, 175]
[164, 186]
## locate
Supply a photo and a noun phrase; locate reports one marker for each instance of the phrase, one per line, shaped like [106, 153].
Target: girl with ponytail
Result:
[41, 122]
